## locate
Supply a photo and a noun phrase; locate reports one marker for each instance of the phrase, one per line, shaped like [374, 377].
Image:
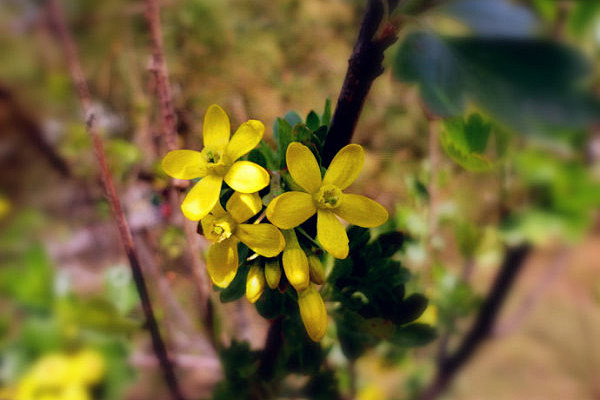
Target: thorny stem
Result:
[481, 330]
[57, 20]
[169, 127]
[159, 69]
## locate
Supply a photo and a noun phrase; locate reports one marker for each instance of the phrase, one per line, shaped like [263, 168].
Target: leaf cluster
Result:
[374, 305]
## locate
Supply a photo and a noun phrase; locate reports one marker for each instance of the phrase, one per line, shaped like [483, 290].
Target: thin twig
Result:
[159, 69]
[558, 265]
[514, 261]
[30, 127]
[169, 126]
[67, 43]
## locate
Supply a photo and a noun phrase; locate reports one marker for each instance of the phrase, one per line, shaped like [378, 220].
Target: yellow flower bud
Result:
[272, 273]
[313, 313]
[255, 283]
[295, 262]
[317, 273]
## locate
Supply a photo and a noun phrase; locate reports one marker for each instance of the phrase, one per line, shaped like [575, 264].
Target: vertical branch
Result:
[159, 69]
[167, 111]
[364, 66]
[67, 43]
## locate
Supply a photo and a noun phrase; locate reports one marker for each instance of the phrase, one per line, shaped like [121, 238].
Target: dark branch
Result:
[514, 261]
[57, 20]
[364, 66]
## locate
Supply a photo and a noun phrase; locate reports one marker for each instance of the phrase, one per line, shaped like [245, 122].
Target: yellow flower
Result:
[325, 197]
[313, 313]
[226, 228]
[217, 162]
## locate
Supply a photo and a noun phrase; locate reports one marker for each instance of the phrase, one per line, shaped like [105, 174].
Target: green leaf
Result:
[312, 121]
[31, 281]
[413, 335]
[508, 78]
[282, 132]
[387, 244]
[326, 116]
[410, 309]
[237, 287]
[358, 236]
[466, 141]
[322, 386]
[257, 157]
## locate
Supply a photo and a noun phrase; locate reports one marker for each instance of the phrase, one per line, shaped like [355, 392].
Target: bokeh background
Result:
[69, 309]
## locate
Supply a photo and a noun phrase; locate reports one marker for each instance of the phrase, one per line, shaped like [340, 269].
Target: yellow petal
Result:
[331, 234]
[247, 177]
[295, 262]
[255, 283]
[218, 210]
[303, 167]
[222, 262]
[264, 239]
[290, 209]
[201, 199]
[313, 313]
[362, 211]
[184, 164]
[345, 166]
[242, 206]
[245, 139]
[216, 128]
[272, 272]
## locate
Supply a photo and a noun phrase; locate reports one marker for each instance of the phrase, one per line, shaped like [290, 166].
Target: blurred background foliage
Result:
[510, 91]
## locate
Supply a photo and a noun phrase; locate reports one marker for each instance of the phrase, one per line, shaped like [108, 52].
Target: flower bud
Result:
[317, 273]
[272, 272]
[313, 313]
[255, 283]
[295, 262]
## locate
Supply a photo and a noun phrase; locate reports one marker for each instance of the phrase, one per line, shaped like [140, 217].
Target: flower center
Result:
[221, 228]
[217, 163]
[328, 196]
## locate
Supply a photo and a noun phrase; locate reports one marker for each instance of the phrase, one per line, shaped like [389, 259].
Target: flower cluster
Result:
[276, 243]
[61, 376]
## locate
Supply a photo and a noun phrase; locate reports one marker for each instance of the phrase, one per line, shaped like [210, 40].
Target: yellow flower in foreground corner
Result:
[226, 228]
[325, 197]
[217, 162]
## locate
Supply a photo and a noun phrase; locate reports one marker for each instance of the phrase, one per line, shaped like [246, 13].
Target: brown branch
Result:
[58, 23]
[557, 266]
[364, 66]
[28, 125]
[481, 330]
[159, 69]
[169, 129]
